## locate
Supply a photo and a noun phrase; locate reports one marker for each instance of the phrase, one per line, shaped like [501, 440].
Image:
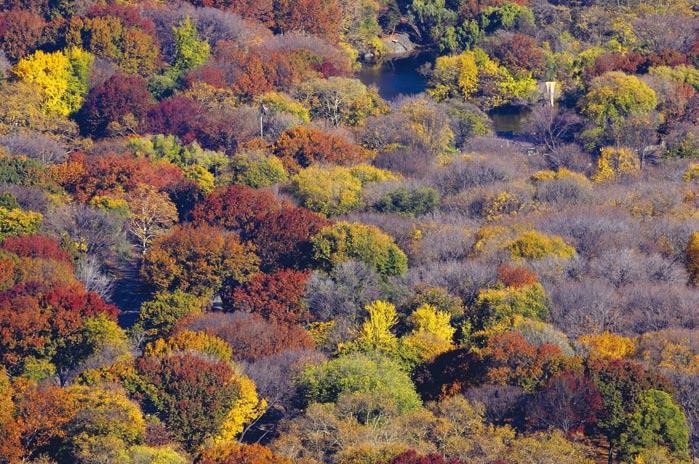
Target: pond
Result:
[509, 120]
[402, 76]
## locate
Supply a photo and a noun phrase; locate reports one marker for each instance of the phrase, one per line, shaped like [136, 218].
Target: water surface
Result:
[400, 76]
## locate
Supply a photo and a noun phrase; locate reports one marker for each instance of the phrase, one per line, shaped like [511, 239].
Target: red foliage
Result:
[111, 101]
[277, 296]
[615, 61]
[33, 316]
[237, 208]
[666, 57]
[283, 238]
[250, 335]
[300, 147]
[570, 402]
[180, 116]
[241, 454]
[520, 52]
[510, 359]
[448, 374]
[512, 275]
[191, 394]
[129, 15]
[20, 32]
[36, 246]
[86, 176]
[318, 17]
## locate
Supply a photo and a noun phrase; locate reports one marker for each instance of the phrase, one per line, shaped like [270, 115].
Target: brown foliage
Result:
[300, 147]
[250, 335]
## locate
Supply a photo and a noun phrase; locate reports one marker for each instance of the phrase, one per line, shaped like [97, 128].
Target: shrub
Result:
[535, 245]
[358, 373]
[344, 241]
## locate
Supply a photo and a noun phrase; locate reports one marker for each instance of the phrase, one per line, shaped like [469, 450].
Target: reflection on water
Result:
[402, 76]
[509, 120]
[397, 77]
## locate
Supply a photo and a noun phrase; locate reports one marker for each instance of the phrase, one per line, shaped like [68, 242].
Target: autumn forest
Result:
[220, 244]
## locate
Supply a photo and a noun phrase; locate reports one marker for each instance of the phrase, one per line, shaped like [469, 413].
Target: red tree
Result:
[283, 238]
[237, 208]
[37, 320]
[570, 402]
[192, 395]
[36, 246]
[277, 296]
[20, 32]
[121, 99]
[300, 147]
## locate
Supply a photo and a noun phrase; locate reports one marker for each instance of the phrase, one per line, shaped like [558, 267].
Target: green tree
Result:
[354, 241]
[190, 51]
[613, 98]
[358, 373]
[158, 316]
[658, 420]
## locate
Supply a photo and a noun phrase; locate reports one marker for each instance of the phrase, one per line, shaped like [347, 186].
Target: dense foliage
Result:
[219, 246]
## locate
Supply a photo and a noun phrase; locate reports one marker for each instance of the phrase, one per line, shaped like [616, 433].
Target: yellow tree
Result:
[432, 334]
[61, 77]
[376, 331]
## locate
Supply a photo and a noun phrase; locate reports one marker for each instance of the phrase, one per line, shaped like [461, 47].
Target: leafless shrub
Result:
[583, 307]
[654, 306]
[90, 273]
[462, 278]
[464, 174]
[34, 145]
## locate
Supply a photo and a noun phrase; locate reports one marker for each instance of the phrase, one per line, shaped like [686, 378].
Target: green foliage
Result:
[8, 201]
[169, 148]
[614, 97]
[359, 373]
[658, 420]
[190, 51]
[499, 308]
[411, 202]
[255, 169]
[346, 241]
[158, 316]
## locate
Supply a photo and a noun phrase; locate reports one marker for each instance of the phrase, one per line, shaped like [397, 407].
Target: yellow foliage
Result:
[17, 222]
[535, 245]
[428, 318]
[376, 330]
[60, 77]
[189, 340]
[692, 172]
[246, 409]
[608, 345]
[366, 173]
[616, 162]
[432, 334]
[693, 258]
